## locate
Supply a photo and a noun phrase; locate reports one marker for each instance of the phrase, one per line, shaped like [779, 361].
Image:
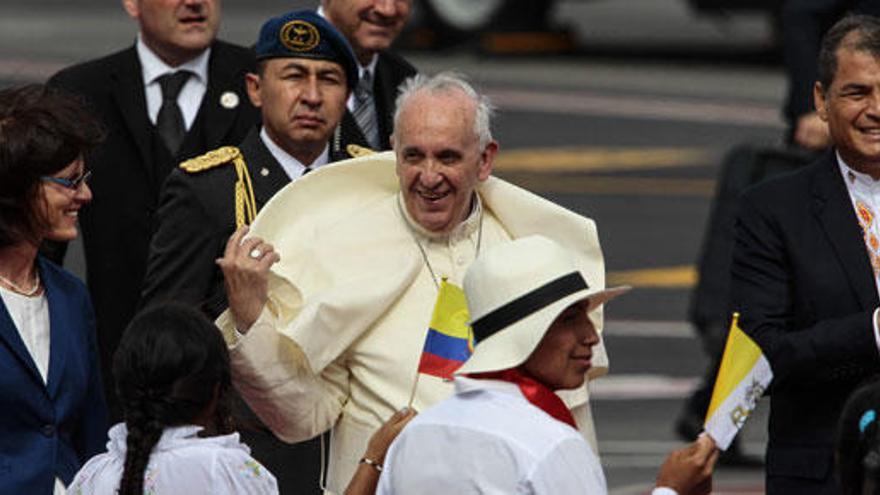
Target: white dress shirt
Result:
[190, 97]
[862, 187]
[31, 318]
[292, 167]
[181, 462]
[487, 438]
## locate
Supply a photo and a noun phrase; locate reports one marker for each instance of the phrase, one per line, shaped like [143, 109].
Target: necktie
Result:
[365, 109]
[170, 122]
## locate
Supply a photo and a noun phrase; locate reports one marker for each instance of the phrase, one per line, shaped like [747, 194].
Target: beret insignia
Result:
[299, 36]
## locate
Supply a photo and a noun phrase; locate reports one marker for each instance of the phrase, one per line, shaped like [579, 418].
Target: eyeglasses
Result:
[72, 184]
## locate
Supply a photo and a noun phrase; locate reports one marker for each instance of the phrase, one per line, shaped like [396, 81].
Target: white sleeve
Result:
[571, 467]
[98, 476]
[236, 472]
[274, 377]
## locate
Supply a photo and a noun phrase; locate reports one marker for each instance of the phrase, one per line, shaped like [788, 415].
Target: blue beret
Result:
[305, 34]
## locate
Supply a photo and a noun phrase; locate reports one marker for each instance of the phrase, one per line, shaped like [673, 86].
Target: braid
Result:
[224, 423]
[170, 366]
[144, 432]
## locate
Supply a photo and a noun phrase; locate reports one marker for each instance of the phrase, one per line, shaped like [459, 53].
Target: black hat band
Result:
[528, 304]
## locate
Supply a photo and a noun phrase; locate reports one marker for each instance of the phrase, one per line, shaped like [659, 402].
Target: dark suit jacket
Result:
[391, 71]
[130, 167]
[805, 289]
[49, 430]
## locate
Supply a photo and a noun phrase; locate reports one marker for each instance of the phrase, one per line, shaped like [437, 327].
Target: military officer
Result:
[305, 72]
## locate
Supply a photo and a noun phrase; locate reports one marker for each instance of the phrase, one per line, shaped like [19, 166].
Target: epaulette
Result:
[211, 159]
[245, 204]
[356, 151]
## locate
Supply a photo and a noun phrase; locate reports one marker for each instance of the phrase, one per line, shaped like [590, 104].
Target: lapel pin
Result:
[229, 100]
[264, 171]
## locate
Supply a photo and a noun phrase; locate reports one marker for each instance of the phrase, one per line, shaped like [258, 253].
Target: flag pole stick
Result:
[412, 394]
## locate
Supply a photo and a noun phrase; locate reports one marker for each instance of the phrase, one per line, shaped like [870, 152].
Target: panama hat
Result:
[515, 291]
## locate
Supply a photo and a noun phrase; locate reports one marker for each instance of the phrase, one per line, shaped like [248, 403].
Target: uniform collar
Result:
[293, 167]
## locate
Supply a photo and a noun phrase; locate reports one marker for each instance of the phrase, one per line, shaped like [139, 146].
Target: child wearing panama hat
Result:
[505, 430]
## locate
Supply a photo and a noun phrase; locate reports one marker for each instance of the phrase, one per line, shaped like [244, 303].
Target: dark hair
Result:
[170, 365]
[857, 452]
[42, 130]
[868, 29]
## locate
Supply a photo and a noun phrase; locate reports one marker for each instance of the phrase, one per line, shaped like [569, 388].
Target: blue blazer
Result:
[49, 430]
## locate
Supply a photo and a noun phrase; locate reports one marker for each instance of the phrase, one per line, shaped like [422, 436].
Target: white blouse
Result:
[181, 462]
[31, 318]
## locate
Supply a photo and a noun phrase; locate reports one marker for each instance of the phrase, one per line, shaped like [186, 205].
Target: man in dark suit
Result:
[805, 267]
[305, 72]
[371, 26]
[204, 106]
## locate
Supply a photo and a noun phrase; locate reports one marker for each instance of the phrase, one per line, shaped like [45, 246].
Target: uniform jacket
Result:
[48, 430]
[391, 71]
[342, 267]
[131, 165]
[805, 290]
[196, 216]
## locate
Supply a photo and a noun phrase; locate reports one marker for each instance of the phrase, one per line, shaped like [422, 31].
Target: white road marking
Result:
[642, 387]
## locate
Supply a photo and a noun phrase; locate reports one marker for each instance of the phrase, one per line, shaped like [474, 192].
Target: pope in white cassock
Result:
[332, 291]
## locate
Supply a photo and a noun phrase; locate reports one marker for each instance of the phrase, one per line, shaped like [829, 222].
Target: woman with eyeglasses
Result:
[52, 409]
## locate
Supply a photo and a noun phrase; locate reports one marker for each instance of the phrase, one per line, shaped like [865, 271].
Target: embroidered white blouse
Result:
[181, 462]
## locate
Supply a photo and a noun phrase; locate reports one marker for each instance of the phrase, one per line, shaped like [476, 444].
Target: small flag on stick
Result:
[742, 378]
[449, 342]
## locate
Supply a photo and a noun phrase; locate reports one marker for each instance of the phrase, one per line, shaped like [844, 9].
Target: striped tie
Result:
[365, 109]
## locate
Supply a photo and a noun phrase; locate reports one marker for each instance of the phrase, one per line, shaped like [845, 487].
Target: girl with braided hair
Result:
[173, 379]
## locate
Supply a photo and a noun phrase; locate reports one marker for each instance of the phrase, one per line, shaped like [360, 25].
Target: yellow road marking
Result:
[673, 277]
[599, 159]
[635, 186]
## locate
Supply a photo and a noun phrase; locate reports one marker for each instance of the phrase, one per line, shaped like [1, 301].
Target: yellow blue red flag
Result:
[742, 378]
[449, 342]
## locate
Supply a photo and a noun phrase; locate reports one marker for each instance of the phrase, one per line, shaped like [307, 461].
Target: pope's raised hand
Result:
[245, 265]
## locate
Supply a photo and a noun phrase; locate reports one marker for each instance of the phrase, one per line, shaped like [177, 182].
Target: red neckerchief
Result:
[534, 391]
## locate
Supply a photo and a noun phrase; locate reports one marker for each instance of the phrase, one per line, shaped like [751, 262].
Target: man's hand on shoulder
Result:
[245, 265]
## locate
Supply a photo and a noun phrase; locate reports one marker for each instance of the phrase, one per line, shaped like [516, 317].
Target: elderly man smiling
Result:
[332, 336]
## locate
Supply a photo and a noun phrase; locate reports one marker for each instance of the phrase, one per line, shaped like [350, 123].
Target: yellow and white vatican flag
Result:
[743, 376]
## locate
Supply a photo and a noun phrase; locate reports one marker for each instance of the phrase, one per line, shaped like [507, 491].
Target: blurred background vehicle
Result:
[516, 26]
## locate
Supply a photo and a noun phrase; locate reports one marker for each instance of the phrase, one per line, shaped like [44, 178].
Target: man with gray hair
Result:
[332, 335]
